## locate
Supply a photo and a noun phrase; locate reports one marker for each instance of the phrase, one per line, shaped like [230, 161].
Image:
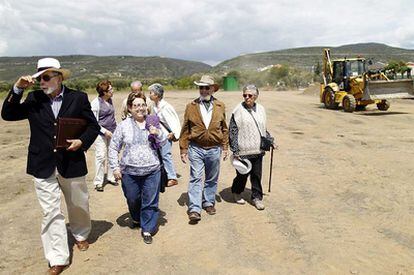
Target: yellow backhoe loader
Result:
[348, 81]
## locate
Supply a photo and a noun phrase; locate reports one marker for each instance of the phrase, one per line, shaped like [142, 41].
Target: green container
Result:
[230, 83]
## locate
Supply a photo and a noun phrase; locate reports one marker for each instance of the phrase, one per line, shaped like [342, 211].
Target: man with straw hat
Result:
[55, 169]
[203, 139]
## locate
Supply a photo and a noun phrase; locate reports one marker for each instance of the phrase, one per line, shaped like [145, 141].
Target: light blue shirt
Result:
[56, 102]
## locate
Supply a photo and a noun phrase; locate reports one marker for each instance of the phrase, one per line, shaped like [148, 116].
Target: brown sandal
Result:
[172, 182]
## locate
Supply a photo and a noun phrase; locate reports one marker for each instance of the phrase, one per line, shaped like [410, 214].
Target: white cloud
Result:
[211, 30]
[3, 46]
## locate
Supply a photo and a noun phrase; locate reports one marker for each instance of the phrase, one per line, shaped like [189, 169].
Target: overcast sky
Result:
[208, 31]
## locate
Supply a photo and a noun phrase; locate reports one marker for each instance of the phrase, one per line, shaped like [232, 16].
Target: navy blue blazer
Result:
[43, 158]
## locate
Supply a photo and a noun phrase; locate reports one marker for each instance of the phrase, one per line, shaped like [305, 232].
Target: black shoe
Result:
[133, 224]
[99, 188]
[147, 238]
[114, 183]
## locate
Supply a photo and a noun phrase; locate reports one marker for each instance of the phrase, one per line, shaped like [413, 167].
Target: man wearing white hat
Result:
[55, 169]
[203, 139]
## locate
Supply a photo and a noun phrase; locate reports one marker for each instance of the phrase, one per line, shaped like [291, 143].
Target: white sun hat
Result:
[49, 64]
[243, 166]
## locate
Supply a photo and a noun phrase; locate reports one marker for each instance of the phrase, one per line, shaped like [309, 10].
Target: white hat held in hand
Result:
[243, 166]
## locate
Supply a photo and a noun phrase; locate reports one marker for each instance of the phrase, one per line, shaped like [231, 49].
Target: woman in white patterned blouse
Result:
[139, 167]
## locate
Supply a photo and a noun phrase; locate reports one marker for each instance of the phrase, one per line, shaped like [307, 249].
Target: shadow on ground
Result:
[183, 199]
[98, 229]
[227, 195]
[380, 113]
[125, 220]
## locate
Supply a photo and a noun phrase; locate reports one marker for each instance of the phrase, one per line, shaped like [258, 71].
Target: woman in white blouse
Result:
[104, 111]
[170, 125]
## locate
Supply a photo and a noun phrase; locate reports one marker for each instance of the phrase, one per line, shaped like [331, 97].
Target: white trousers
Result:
[54, 235]
[101, 161]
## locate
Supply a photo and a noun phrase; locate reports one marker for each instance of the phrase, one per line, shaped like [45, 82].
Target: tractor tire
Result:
[329, 99]
[349, 103]
[384, 105]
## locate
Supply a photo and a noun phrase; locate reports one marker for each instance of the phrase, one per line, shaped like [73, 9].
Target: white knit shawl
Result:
[248, 134]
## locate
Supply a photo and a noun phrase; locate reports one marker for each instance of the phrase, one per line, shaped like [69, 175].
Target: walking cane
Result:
[271, 164]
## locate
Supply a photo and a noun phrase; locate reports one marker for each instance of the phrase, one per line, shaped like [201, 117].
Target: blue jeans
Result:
[142, 195]
[202, 161]
[167, 160]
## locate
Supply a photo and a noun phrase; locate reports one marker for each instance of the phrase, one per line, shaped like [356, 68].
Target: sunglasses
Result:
[247, 95]
[45, 77]
[204, 88]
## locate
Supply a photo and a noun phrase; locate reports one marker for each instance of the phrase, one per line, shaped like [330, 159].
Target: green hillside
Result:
[305, 58]
[87, 66]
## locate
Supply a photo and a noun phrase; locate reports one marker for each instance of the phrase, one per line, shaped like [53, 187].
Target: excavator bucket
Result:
[388, 89]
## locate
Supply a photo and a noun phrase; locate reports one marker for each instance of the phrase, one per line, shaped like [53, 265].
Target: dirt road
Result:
[342, 202]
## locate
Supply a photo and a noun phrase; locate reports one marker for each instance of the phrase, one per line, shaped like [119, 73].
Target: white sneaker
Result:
[258, 204]
[238, 198]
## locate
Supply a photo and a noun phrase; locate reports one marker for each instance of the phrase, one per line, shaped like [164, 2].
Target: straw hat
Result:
[207, 80]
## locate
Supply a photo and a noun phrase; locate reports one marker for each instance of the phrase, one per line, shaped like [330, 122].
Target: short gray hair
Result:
[251, 88]
[157, 89]
[136, 83]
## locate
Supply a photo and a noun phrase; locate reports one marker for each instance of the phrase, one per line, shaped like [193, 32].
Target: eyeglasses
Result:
[45, 77]
[247, 95]
[143, 105]
[204, 88]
